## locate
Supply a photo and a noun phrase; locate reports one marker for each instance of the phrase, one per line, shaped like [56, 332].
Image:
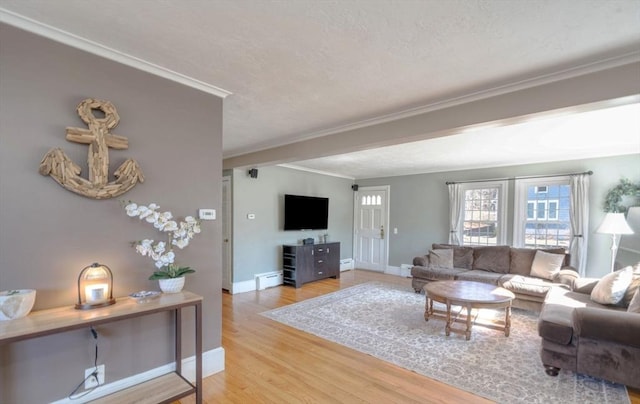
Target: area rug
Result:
[387, 322]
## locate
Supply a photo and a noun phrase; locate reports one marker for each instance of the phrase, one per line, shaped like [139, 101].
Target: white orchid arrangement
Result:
[179, 234]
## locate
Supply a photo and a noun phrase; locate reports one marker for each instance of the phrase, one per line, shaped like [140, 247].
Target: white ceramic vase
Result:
[171, 285]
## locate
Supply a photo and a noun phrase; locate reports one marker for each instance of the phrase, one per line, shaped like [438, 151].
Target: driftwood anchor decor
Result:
[67, 173]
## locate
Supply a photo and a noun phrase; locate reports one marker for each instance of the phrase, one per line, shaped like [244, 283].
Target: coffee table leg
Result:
[507, 321]
[447, 328]
[427, 308]
[467, 333]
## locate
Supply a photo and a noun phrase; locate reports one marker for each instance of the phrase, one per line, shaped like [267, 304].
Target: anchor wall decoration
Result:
[67, 173]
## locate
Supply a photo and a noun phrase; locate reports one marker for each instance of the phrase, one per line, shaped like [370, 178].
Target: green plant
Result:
[613, 199]
[171, 271]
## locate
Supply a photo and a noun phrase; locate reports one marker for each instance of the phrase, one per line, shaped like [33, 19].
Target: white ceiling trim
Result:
[95, 48]
[311, 170]
[612, 62]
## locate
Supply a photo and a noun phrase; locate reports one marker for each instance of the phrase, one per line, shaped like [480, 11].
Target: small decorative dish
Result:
[144, 296]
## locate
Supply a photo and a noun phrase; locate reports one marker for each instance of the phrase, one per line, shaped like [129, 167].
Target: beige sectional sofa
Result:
[504, 266]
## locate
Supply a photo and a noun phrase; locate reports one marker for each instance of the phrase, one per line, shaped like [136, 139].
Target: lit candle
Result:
[96, 293]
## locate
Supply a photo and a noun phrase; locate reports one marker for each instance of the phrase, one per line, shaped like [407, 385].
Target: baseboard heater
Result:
[268, 280]
[346, 264]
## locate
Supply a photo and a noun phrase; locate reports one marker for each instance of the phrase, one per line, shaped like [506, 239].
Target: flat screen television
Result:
[305, 212]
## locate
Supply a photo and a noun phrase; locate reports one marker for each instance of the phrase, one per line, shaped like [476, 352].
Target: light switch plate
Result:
[207, 214]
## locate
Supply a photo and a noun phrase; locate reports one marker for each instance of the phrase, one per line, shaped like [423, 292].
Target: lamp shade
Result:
[614, 223]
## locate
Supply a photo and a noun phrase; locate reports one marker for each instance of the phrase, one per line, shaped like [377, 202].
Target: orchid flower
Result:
[179, 233]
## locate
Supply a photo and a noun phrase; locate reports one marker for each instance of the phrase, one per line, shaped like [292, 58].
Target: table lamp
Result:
[95, 287]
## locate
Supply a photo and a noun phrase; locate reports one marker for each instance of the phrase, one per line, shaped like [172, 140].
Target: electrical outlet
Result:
[93, 381]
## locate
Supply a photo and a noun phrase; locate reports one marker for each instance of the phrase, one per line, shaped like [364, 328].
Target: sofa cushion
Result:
[555, 322]
[612, 287]
[435, 273]
[462, 256]
[441, 258]
[479, 276]
[492, 258]
[546, 265]
[526, 285]
[522, 258]
[634, 305]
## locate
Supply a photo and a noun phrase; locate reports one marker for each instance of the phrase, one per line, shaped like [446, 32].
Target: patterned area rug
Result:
[387, 322]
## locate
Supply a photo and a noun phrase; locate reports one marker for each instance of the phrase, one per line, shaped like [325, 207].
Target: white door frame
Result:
[385, 219]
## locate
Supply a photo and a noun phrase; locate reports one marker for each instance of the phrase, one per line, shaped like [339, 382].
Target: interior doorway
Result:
[226, 233]
[371, 217]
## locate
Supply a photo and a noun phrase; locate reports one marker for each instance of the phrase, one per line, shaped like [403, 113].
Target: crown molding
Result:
[565, 74]
[58, 35]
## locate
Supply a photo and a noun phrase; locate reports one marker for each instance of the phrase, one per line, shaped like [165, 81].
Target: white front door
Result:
[226, 233]
[370, 238]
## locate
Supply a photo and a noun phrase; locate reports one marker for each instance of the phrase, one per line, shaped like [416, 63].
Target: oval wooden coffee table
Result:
[469, 295]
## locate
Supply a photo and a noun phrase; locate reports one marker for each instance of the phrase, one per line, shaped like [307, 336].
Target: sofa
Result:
[584, 336]
[505, 266]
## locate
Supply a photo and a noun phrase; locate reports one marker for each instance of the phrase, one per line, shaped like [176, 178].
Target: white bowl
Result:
[16, 303]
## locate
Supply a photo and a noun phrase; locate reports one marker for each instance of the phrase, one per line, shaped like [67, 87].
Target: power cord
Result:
[74, 394]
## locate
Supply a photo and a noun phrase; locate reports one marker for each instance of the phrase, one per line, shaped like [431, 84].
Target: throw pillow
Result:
[635, 284]
[546, 265]
[462, 256]
[611, 288]
[634, 306]
[441, 258]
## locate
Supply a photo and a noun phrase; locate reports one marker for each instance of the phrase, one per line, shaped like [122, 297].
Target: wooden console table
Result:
[163, 389]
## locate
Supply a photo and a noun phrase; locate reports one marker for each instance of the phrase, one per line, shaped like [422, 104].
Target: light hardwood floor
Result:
[268, 362]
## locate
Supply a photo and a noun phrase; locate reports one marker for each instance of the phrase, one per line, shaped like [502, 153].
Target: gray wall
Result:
[419, 204]
[257, 243]
[48, 234]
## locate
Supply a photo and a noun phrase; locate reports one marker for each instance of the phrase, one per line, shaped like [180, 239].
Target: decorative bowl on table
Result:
[144, 296]
[16, 303]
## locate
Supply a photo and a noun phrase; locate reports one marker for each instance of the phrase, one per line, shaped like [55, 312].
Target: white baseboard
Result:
[404, 270]
[389, 270]
[212, 363]
[241, 287]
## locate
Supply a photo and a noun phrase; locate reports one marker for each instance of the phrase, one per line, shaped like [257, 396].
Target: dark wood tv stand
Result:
[310, 262]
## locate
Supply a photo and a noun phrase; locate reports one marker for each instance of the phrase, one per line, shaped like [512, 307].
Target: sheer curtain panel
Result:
[455, 212]
[579, 213]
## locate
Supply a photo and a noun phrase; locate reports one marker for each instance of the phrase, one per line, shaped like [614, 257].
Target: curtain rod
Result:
[520, 178]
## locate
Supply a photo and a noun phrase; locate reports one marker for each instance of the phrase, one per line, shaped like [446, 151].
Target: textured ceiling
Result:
[300, 68]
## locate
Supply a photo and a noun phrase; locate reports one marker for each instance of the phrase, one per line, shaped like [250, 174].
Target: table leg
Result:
[467, 333]
[427, 311]
[507, 321]
[447, 328]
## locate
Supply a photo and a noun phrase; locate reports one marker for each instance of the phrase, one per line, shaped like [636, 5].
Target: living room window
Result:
[541, 213]
[483, 213]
